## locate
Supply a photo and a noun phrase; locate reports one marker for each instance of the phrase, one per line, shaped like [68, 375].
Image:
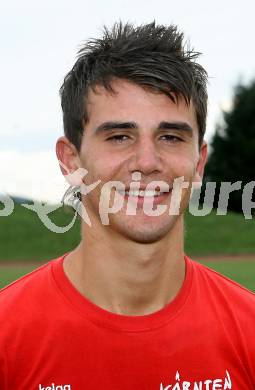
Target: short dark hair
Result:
[152, 56]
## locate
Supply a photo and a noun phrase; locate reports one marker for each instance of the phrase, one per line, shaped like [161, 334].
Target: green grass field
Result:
[242, 272]
[9, 274]
[24, 239]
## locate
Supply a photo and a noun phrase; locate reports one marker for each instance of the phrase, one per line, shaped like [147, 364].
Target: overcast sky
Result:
[39, 41]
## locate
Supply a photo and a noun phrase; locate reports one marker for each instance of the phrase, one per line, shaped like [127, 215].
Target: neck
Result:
[126, 277]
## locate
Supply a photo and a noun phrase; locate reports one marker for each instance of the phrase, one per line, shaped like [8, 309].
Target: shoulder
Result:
[223, 288]
[25, 292]
[225, 302]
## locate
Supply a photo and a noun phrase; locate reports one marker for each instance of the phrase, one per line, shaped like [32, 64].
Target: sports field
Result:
[224, 243]
[242, 271]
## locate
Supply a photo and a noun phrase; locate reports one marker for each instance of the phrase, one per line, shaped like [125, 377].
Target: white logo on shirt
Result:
[55, 387]
[208, 384]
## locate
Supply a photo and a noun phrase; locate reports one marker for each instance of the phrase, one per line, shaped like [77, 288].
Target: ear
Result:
[68, 156]
[201, 164]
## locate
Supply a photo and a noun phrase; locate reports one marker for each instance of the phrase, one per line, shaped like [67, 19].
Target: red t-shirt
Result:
[51, 337]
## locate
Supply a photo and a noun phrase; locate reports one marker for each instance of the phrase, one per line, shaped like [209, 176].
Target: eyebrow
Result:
[112, 125]
[181, 126]
[107, 126]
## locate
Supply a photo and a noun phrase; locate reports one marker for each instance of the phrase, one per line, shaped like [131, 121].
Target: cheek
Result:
[101, 167]
[183, 166]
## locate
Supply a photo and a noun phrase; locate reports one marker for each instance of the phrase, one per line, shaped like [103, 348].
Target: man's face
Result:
[136, 130]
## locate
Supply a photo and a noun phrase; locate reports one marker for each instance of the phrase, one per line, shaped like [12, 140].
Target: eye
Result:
[171, 138]
[119, 138]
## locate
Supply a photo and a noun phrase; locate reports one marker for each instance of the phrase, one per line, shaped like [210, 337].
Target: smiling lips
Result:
[142, 197]
[143, 193]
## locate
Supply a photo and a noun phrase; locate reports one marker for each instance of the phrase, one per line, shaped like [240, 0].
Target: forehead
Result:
[129, 101]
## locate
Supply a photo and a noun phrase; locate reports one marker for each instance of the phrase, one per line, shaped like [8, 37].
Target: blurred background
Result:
[39, 41]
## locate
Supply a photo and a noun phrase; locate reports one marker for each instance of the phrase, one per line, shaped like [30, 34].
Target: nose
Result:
[146, 158]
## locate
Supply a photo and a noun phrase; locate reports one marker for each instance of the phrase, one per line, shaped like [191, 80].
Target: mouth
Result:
[143, 194]
[142, 197]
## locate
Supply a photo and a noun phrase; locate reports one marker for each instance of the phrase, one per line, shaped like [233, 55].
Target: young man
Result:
[127, 309]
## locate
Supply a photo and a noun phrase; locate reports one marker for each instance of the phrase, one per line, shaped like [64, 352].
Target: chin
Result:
[145, 237]
[145, 232]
